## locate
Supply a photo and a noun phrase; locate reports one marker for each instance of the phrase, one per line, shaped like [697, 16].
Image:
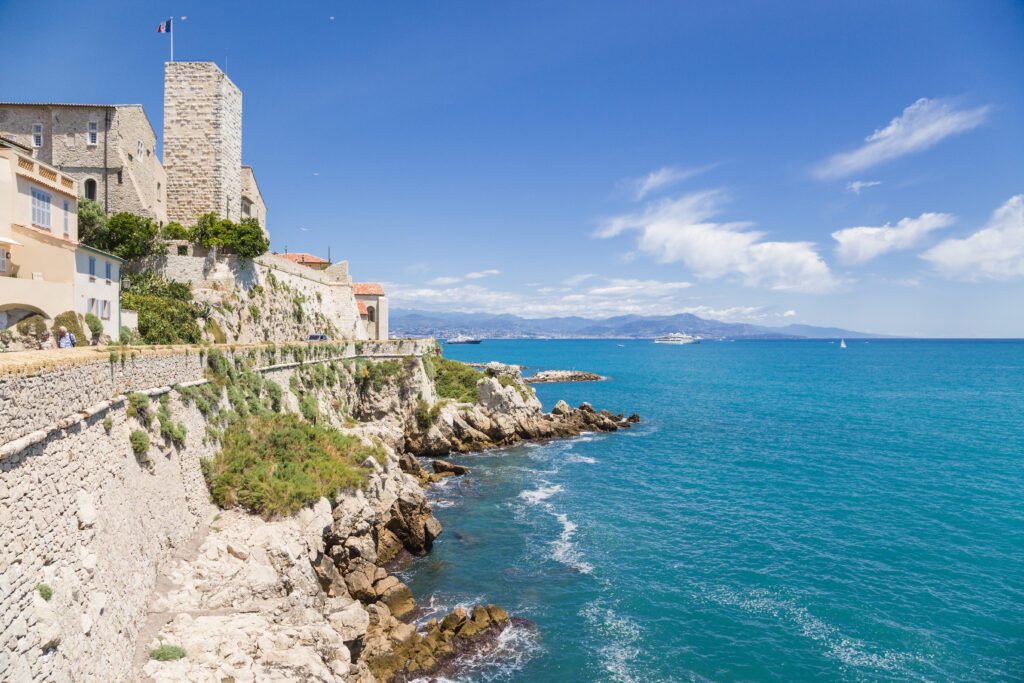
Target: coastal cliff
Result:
[125, 568]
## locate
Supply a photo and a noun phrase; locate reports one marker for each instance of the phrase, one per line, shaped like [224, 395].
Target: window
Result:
[37, 135]
[91, 306]
[105, 309]
[92, 267]
[3, 260]
[138, 149]
[90, 189]
[246, 207]
[120, 178]
[371, 314]
[67, 217]
[93, 134]
[40, 208]
[108, 268]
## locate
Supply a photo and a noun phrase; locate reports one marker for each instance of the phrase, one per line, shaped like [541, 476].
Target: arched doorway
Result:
[90, 189]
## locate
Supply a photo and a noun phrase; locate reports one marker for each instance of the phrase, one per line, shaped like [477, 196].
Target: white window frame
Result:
[91, 305]
[139, 150]
[67, 218]
[105, 309]
[92, 136]
[37, 135]
[41, 202]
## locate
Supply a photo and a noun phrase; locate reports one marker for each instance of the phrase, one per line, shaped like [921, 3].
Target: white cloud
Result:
[445, 280]
[482, 274]
[661, 179]
[860, 245]
[996, 252]
[858, 186]
[921, 125]
[789, 314]
[578, 279]
[681, 231]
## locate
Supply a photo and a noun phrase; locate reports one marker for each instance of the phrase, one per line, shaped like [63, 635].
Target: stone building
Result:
[109, 148]
[304, 259]
[202, 142]
[373, 308]
[38, 236]
[253, 205]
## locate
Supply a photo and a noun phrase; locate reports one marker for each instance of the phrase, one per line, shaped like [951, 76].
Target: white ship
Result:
[462, 339]
[677, 338]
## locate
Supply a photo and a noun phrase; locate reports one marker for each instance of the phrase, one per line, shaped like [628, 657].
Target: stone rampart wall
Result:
[90, 522]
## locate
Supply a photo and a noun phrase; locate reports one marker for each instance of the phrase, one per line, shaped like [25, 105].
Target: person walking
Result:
[65, 339]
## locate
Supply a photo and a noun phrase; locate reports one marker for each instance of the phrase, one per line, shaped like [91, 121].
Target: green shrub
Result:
[140, 442]
[167, 653]
[94, 324]
[138, 407]
[455, 380]
[174, 231]
[92, 221]
[245, 238]
[426, 414]
[372, 374]
[254, 311]
[72, 321]
[32, 326]
[276, 464]
[126, 235]
[45, 592]
[167, 313]
[126, 336]
[108, 424]
[274, 392]
[310, 408]
[170, 430]
[215, 332]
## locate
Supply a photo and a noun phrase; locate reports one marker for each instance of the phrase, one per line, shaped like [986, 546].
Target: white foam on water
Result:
[540, 494]
[585, 459]
[847, 650]
[515, 646]
[438, 606]
[621, 636]
[563, 549]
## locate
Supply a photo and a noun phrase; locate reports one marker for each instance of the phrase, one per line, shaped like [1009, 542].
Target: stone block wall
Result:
[84, 516]
[202, 141]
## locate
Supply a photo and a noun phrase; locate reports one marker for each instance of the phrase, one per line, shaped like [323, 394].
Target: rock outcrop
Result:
[555, 376]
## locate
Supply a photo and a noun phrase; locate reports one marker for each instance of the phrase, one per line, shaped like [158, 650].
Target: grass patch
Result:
[138, 407]
[426, 414]
[140, 442]
[455, 380]
[108, 424]
[45, 592]
[275, 464]
[167, 653]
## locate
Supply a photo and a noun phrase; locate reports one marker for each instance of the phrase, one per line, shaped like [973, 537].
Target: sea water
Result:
[787, 511]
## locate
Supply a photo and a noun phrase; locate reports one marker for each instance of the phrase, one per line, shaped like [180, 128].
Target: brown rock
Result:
[442, 466]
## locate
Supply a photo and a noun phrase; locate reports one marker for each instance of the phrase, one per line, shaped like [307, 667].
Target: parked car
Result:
[318, 337]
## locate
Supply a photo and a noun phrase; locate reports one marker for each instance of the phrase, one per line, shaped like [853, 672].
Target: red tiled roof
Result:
[362, 308]
[368, 288]
[301, 257]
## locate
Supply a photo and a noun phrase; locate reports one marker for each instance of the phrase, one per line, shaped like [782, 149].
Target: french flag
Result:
[164, 27]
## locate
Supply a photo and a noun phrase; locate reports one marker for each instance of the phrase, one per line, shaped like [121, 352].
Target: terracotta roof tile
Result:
[367, 288]
[362, 308]
[302, 257]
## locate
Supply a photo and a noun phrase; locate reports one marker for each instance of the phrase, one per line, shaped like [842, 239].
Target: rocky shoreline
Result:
[556, 376]
[312, 596]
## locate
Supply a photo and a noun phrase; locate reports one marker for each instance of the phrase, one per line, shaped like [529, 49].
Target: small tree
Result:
[175, 231]
[70, 320]
[92, 222]
[129, 237]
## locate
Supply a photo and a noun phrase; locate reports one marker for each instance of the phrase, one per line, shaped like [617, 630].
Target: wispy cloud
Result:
[661, 179]
[482, 274]
[789, 314]
[858, 186]
[920, 126]
[861, 244]
[682, 230]
[995, 252]
[578, 279]
[445, 280]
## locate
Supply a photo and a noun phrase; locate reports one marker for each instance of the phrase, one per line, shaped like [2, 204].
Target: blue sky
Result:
[856, 165]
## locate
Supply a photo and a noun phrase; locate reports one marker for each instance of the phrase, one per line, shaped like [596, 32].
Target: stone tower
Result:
[202, 142]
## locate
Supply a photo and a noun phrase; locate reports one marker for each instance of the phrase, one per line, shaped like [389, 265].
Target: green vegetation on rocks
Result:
[94, 325]
[275, 464]
[455, 380]
[45, 592]
[167, 313]
[140, 442]
[167, 653]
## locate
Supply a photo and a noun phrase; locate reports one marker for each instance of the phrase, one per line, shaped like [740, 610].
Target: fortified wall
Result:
[85, 521]
[264, 299]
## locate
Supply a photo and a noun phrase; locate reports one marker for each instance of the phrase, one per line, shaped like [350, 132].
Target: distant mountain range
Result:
[413, 323]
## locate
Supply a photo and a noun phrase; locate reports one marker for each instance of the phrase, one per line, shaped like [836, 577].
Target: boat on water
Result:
[677, 338]
[842, 343]
[462, 339]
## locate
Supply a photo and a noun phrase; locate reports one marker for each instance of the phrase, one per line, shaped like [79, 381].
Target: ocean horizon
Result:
[787, 510]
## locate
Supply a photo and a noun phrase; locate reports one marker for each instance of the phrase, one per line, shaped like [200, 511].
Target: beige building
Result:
[98, 288]
[373, 308]
[109, 149]
[253, 205]
[38, 236]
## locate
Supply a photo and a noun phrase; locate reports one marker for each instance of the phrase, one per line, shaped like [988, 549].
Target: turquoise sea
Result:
[787, 511]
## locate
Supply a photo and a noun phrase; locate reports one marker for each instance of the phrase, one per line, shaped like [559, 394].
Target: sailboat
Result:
[842, 343]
